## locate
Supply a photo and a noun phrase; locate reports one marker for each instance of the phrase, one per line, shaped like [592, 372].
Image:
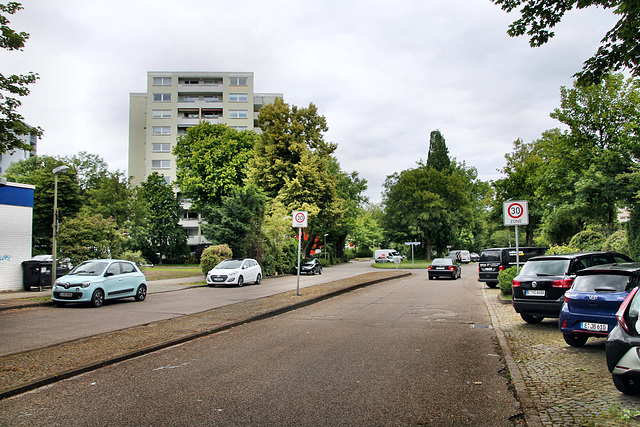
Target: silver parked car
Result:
[235, 272]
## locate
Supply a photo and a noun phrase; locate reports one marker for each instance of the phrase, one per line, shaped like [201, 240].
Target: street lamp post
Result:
[54, 263]
[325, 246]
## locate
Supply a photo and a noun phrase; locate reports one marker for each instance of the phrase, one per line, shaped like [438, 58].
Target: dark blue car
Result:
[590, 306]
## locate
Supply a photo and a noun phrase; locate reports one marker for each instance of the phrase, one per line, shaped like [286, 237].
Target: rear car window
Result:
[602, 283]
[442, 261]
[545, 267]
[490, 256]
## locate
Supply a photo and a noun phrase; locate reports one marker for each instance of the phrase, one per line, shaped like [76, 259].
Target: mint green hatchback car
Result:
[96, 281]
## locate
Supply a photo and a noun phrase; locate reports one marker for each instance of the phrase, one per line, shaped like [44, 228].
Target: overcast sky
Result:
[384, 74]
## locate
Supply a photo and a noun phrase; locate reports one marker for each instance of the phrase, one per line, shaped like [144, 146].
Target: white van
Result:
[385, 255]
[462, 256]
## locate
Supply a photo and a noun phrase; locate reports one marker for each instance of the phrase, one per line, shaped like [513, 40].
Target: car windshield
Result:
[229, 264]
[601, 282]
[442, 261]
[89, 268]
[545, 267]
[488, 256]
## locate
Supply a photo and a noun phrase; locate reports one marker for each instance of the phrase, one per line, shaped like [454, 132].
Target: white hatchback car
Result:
[235, 272]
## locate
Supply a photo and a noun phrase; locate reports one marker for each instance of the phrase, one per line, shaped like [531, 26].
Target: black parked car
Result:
[444, 267]
[492, 261]
[623, 346]
[311, 266]
[538, 290]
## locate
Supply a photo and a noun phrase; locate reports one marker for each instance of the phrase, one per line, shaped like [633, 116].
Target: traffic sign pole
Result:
[299, 221]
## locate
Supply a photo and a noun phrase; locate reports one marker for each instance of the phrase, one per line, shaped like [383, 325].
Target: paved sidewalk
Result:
[556, 384]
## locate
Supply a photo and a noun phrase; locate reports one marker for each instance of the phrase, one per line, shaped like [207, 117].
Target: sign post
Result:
[412, 244]
[516, 213]
[300, 219]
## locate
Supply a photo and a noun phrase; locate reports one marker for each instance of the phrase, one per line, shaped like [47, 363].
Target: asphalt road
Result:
[405, 352]
[32, 328]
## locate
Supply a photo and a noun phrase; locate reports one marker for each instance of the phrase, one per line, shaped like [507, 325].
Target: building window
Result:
[239, 127]
[191, 82]
[161, 130]
[167, 179]
[238, 114]
[162, 81]
[160, 164]
[161, 114]
[237, 81]
[164, 147]
[189, 98]
[161, 97]
[212, 98]
[238, 97]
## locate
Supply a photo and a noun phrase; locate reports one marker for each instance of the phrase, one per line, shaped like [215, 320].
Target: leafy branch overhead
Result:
[619, 48]
[12, 124]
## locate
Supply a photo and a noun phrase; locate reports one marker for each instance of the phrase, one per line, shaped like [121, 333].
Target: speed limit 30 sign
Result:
[516, 212]
[299, 219]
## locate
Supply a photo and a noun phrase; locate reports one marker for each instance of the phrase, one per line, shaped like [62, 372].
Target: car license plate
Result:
[218, 279]
[66, 294]
[535, 293]
[597, 327]
[440, 268]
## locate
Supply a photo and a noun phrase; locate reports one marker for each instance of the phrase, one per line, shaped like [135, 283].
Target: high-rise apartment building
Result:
[7, 158]
[175, 101]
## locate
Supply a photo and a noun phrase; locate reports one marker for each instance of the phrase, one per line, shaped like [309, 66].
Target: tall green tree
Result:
[212, 160]
[292, 163]
[237, 222]
[37, 171]
[287, 133]
[426, 205]
[14, 86]
[620, 47]
[163, 234]
[86, 237]
[438, 157]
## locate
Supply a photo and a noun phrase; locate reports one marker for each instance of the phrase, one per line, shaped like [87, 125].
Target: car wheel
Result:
[240, 281]
[531, 319]
[320, 271]
[626, 385]
[430, 278]
[141, 293]
[97, 299]
[259, 279]
[575, 340]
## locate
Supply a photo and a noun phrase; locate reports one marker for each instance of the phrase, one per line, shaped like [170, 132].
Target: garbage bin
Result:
[31, 274]
[37, 274]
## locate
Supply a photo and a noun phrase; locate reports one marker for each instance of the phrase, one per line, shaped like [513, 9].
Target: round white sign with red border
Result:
[300, 219]
[516, 212]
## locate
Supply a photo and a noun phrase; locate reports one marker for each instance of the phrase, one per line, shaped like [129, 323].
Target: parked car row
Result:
[593, 294]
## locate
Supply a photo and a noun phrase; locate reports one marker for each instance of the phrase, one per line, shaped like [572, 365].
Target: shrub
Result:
[505, 278]
[213, 255]
[617, 242]
[563, 249]
[588, 240]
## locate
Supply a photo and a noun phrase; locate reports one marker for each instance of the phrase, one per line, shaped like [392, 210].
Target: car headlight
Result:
[85, 284]
[233, 274]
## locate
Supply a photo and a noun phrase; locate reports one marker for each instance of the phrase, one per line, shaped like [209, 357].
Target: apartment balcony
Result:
[200, 104]
[199, 88]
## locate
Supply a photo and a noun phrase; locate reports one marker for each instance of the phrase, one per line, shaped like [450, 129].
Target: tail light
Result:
[515, 283]
[452, 268]
[564, 324]
[501, 267]
[567, 295]
[623, 308]
[429, 268]
[562, 283]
